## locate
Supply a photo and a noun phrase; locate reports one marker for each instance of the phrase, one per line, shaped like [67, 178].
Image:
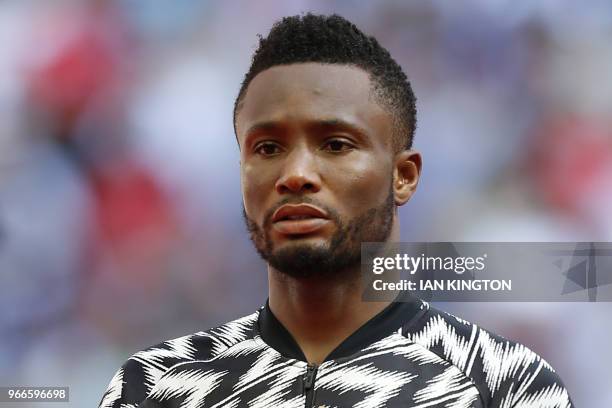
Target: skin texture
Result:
[314, 133]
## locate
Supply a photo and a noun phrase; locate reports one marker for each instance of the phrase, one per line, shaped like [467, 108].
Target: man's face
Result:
[316, 167]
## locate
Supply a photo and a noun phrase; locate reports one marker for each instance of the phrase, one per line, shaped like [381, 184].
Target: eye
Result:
[337, 146]
[267, 149]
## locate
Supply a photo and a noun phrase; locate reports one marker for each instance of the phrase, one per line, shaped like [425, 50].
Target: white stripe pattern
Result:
[439, 360]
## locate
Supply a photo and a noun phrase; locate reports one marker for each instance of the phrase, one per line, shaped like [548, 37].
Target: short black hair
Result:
[335, 40]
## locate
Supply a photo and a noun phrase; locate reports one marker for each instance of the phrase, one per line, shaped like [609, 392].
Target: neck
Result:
[320, 314]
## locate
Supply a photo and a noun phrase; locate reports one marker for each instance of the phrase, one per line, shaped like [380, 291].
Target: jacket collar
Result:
[398, 314]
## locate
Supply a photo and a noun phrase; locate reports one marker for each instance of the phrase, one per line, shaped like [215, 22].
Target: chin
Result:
[301, 247]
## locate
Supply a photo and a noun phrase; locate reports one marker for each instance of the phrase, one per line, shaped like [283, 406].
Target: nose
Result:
[299, 173]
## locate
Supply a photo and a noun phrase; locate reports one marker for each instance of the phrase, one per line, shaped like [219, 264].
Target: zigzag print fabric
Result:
[429, 359]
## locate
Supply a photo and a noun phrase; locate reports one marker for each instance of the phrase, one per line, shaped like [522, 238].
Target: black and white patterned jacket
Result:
[409, 355]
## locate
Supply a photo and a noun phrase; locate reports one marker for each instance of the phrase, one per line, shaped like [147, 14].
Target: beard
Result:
[333, 260]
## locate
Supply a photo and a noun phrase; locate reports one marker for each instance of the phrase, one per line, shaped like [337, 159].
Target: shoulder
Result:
[138, 375]
[505, 372]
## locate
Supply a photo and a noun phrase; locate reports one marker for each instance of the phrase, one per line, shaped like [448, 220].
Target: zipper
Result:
[309, 379]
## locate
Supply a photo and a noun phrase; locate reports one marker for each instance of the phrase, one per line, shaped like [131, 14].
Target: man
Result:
[324, 122]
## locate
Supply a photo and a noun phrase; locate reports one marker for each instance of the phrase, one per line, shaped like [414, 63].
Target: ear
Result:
[406, 173]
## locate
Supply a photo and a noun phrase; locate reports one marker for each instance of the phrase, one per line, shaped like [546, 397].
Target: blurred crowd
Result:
[120, 205]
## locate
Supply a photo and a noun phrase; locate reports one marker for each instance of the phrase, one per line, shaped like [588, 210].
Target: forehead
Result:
[310, 92]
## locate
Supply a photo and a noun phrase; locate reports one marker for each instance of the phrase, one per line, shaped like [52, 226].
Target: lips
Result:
[297, 219]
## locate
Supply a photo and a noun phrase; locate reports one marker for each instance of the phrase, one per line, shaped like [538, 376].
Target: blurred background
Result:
[120, 204]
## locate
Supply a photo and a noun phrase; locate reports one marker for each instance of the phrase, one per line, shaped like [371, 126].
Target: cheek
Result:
[254, 183]
[361, 183]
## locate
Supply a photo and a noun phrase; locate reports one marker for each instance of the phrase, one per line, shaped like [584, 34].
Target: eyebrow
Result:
[267, 126]
[339, 124]
[325, 124]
